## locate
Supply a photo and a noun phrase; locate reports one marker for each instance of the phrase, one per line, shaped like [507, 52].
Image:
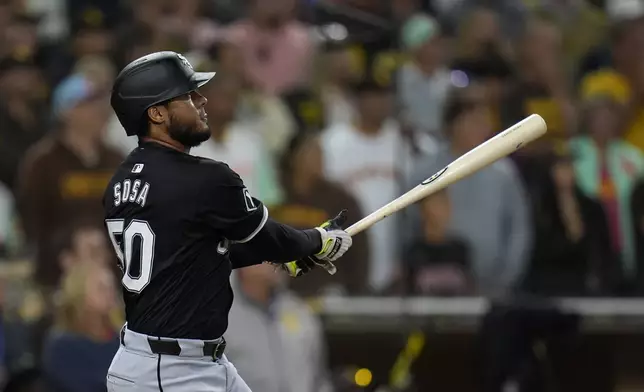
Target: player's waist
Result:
[192, 348]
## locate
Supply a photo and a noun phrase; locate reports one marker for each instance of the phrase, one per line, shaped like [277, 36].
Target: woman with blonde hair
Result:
[84, 339]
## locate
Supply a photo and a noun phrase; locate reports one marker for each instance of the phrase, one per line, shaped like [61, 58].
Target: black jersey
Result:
[171, 217]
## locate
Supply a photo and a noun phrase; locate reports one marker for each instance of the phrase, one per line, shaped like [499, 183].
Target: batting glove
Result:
[335, 243]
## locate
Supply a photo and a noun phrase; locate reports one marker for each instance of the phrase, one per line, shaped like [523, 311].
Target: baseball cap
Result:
[419, 29]
[72, 91]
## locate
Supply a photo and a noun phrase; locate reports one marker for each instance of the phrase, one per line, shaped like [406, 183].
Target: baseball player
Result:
[179, 225]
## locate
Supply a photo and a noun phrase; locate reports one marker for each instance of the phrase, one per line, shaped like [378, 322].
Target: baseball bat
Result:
[501, 145]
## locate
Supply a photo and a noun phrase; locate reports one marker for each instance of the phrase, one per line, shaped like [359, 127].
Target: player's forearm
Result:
[277, 242]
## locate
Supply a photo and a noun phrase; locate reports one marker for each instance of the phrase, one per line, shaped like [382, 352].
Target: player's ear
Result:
[157, 114]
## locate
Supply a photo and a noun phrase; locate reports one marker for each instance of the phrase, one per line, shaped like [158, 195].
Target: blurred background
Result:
[523, 277]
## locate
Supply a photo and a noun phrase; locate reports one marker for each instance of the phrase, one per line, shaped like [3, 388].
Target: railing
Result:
[381, 314]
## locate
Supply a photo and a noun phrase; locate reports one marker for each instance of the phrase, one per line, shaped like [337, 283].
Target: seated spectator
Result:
[370, 158]
[80, 348]
[82, 242]
[311, 199]
[64, 175]
[28, 380]
[277, 49]
[490, 209]
[275, 341]
[607, 168]
[90, 35]
[423, 83]
[542, 86]
[623, 80]
[637, 208]
[23, 113]
[438, 262]
[482, 55]
[238, 143]
[572, 252]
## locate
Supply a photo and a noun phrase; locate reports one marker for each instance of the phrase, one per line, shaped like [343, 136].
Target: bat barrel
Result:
[501, 145]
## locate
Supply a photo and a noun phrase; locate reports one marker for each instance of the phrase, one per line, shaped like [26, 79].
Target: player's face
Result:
[188, 121]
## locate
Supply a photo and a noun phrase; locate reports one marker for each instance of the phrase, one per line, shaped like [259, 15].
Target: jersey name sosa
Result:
[130, 191]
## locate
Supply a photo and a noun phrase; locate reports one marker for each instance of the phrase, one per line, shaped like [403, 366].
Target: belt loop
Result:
[122, 336]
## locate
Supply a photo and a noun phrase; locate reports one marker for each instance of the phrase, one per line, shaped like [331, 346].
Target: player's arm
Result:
[229, 208]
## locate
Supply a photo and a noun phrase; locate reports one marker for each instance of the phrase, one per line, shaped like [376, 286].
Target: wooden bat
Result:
[501, 145]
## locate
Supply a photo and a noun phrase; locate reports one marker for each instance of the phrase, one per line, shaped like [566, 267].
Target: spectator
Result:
[80, 348]
[29, 380]
[277, 48]
[65, 174]
[584, 27]
[20, 36]
[339, 73]
[273, 337]
[238, 143]
[370, 158]
[424, 82]
[437, 263]
[543, 86]
[91, 35]
[278, 124]
[82, 242]
[311, 199]
[23, 113]
[573, 255]
[483, 56]
[490, 208]
[637, 208]
[624, 80]
[480, 36]
[512, 14]
[607, 168]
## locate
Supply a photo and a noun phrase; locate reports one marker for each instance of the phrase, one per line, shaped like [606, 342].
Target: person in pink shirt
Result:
[277, 48]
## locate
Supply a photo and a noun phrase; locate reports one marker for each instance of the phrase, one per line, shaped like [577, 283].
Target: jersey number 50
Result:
[140, 231]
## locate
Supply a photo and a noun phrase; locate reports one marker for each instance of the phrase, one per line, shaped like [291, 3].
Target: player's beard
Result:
[187, 135]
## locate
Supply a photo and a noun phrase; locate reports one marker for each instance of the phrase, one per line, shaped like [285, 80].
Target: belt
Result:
[172, 347]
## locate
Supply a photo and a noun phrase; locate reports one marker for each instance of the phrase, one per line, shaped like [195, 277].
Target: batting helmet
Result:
[151, 80]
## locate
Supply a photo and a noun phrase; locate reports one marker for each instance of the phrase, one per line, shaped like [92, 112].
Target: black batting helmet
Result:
[151, 80]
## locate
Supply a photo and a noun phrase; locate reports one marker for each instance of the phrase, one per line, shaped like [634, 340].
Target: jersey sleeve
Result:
[228, 206]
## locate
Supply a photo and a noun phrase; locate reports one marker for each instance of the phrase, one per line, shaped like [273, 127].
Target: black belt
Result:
[172, 347]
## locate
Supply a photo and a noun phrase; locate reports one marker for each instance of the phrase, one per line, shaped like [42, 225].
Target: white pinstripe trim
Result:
[259, 227]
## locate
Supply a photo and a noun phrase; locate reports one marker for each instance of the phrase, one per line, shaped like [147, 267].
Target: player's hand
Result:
[335, 243]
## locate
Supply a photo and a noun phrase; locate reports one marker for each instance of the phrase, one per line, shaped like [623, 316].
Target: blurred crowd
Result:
[322, 105]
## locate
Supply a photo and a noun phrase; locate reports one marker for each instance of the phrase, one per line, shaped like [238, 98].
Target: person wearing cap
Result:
[62, 177]
[424, 82]
[608, 167]
[624, 77]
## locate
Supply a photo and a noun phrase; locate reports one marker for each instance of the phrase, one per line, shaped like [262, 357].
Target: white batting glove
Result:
[335, 241]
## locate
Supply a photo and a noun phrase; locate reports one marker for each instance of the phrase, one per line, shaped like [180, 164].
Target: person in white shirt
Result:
[238, 143]
[371, 157]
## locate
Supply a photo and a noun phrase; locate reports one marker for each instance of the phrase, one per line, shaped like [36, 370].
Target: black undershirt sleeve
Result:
[277, 243]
